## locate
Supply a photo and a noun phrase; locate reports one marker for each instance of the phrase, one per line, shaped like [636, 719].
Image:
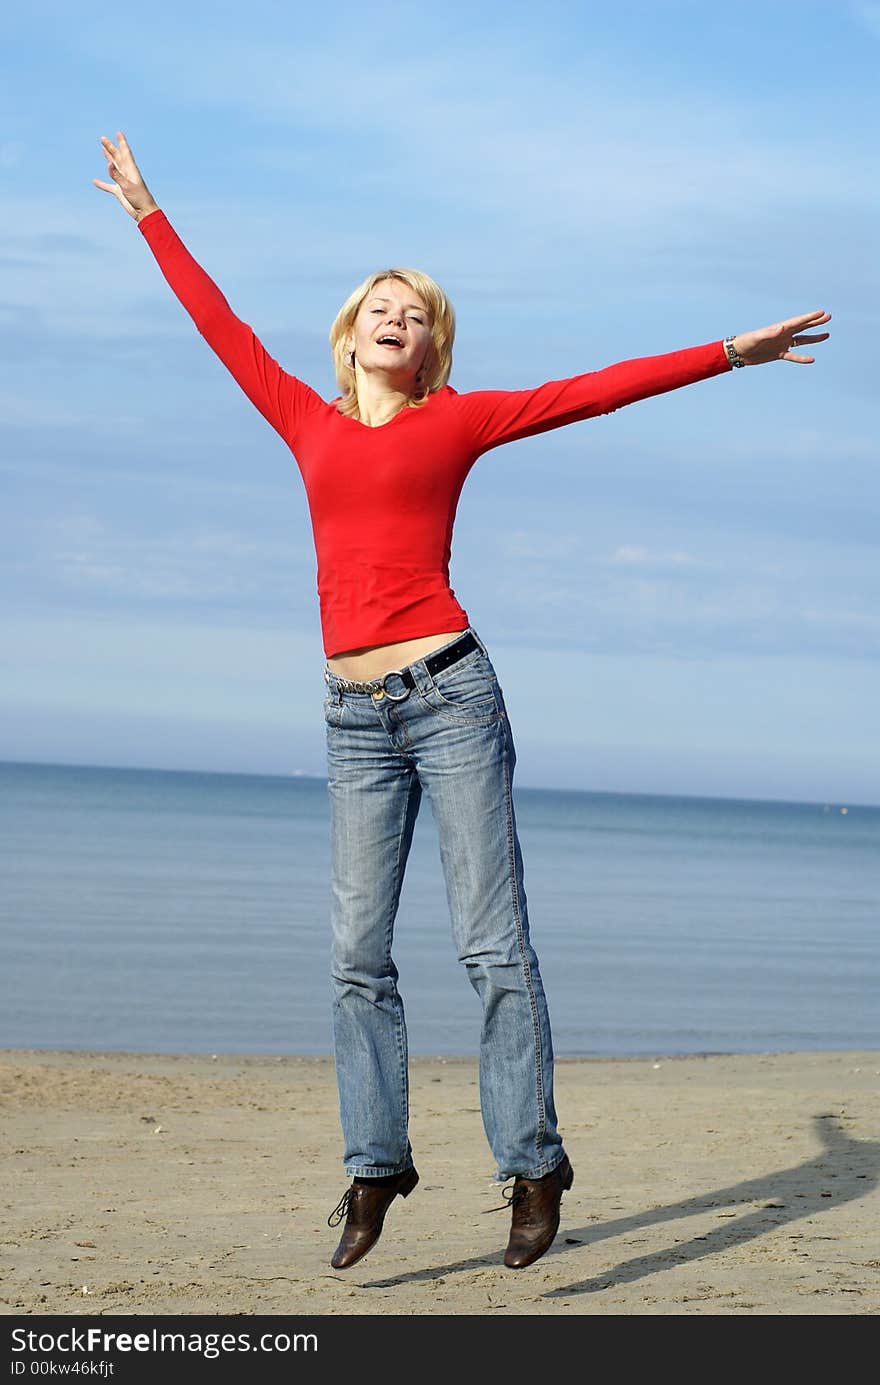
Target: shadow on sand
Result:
[843, 1170]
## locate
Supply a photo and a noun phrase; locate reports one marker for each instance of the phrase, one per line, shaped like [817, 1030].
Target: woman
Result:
[412, 700]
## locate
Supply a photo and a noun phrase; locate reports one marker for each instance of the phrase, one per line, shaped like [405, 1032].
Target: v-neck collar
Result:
[377, 427]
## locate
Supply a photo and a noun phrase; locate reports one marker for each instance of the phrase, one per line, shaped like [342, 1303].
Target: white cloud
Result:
[188, 565]
[855, 621]
[99, 661]
[497, 124]
[526, 543]
[869, 14]
[632, 555]
[41, 412]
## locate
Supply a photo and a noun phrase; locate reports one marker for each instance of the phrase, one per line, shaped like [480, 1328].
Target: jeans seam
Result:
[527, 971]
[333, 711]
[400, 1028]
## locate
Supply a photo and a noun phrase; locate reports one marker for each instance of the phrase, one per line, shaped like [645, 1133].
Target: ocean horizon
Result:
[835, 805]
[167, 911]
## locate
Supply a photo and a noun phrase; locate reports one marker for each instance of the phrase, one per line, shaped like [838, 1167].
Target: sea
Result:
[159, 911]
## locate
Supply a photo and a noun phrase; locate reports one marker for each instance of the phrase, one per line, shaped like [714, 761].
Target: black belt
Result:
[434, 663]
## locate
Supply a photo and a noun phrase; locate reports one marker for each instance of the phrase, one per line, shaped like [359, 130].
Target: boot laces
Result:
[513, 1195]
[341, 1208]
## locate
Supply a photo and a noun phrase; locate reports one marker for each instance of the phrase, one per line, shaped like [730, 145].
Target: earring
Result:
[351, 359]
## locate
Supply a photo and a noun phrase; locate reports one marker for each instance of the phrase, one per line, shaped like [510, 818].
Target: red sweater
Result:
[383, 500]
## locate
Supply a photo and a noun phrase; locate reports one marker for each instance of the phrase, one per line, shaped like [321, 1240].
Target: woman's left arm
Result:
[492, 417]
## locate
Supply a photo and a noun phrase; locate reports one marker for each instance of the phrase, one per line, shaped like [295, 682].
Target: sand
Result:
[143, 1184]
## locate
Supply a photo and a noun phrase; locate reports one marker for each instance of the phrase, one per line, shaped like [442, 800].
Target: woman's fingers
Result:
[782, 341]
[790, 354]
[128, 186]
[120, 155]
[806, 319]
[112, 159]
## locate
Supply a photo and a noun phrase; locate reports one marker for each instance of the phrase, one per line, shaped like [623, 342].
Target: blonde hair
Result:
[438, 364]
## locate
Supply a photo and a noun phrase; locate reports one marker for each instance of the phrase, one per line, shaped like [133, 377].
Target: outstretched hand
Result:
[776, 343]
[128, 187]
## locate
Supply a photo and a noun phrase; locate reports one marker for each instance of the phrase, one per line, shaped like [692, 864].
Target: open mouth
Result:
[390, 340]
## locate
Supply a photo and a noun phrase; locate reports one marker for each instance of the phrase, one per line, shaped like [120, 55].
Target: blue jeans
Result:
[449, 736]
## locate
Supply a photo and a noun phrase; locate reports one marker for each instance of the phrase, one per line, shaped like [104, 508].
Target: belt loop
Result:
[479, 642]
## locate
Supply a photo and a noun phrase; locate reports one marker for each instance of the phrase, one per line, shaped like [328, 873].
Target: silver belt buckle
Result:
[389, 695]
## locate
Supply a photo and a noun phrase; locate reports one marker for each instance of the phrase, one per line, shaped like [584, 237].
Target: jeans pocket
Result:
[466, 692]
[332, 712]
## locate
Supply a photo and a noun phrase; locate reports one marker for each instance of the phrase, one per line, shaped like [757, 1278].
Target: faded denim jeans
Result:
[450, 737]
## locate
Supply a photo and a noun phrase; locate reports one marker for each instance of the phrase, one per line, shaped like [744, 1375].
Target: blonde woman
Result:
[412, 701]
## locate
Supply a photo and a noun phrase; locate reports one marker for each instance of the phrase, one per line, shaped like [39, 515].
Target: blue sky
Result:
[680, 597]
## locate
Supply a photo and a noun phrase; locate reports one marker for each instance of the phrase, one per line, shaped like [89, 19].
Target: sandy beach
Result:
[150, 1184]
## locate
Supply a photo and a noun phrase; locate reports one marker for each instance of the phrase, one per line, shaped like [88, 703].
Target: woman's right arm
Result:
[280, 397]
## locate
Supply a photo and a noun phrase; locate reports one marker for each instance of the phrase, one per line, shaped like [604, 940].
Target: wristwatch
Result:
[732, 354]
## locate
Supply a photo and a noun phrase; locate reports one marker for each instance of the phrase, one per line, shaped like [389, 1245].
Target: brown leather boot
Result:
[364, 1206]
[535, 1221]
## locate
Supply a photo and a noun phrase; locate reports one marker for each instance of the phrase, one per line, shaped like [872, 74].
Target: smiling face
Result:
[392, 333]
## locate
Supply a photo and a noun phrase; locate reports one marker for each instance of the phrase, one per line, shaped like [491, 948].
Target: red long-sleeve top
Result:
[383, 499]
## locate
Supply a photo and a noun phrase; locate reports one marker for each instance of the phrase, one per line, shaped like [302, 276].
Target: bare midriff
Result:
[374, 660]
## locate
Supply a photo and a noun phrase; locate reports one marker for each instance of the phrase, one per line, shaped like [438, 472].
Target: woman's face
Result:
[392, 333]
